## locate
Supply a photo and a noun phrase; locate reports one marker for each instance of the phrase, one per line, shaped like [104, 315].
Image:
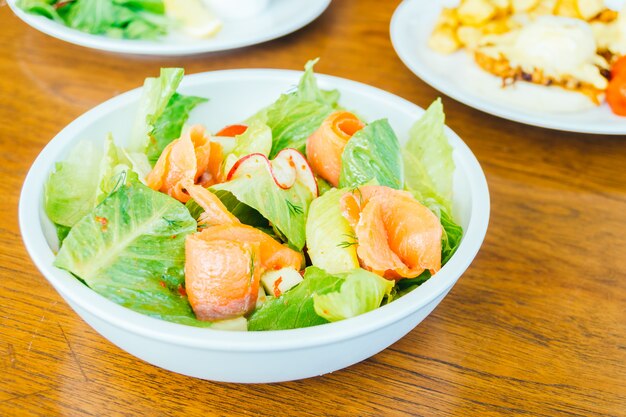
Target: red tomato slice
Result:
[232, 130]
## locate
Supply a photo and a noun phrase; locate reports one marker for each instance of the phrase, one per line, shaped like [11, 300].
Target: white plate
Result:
[459, 77]
[270, 356]
[280, 18]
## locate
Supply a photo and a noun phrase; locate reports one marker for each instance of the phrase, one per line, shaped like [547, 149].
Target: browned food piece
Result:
[501, 67]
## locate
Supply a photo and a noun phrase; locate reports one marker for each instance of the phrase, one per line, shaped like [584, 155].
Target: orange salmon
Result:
[223, 267]
[185, 159]
[398, 237]
[221, 277]
[215, 213]
[325, 146]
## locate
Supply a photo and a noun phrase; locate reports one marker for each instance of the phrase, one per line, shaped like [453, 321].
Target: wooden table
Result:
[536, 326]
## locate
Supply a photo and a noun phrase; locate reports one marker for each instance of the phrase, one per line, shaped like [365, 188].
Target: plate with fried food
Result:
[557, 64]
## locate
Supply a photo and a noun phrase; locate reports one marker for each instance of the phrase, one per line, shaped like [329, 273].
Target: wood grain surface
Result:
[536, 326]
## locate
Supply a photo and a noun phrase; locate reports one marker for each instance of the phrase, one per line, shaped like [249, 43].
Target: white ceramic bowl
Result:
[251, 356]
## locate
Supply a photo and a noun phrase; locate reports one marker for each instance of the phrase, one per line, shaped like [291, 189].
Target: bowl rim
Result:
[79, 295]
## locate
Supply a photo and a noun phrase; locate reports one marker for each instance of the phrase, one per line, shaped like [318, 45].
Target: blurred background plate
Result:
[459, 77]
[280, 18]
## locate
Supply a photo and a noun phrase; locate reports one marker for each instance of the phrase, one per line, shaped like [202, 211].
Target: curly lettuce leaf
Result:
[373, 153]
[361, 291]
[156, 94]
[130, 249]
[296, 115]
[169, 125]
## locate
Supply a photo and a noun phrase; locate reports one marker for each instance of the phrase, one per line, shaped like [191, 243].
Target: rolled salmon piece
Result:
[223, 266]
[325, 146]
[398, 237]
[184, 159]
[221, 277]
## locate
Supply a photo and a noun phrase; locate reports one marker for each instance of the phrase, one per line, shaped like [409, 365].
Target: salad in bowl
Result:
[302, 214]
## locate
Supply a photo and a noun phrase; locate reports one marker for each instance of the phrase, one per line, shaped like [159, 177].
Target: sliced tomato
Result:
[619, 67]
[232, 130]
[616, 94]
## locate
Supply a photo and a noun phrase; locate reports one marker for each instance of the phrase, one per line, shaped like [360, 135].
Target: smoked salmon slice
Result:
[223, 267]
[398, 237]
[215, 212]
[221, 277]
[325, 146]
[185, 159]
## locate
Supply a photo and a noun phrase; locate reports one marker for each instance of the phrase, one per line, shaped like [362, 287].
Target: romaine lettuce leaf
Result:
[361, 291]
[152, 6]
[429, 171]
[331, 243]
[322, 297]
[169, 125]
[93, 16]
[451, 237]
[82, 181]
[41, 7]
[156, 94]
[256, 139]
[296, 115]
[428, 162]
[130, 249]
[372, 153]
[295, 309]
[73, 188]
[286, 209]
[130, 19]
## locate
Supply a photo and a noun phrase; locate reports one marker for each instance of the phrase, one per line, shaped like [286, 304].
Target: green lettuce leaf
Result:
[130, 19]
[322, 297]
[93, 16]
[40, 7]
[131, 250]
[156, 94]
[428, 162]
[82, 181]
[405, 286]
[169, 125]
[372, 153]
[451, 237]
[295, 308]
[151, 6]
[286, 209]
[72, 189]
[429, 171]
[256, 139]
[331, 243]
[296, 115]
[361, 291]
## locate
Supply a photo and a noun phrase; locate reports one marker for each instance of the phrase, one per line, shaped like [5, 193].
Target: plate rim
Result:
[397, 25]
[154, 48]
